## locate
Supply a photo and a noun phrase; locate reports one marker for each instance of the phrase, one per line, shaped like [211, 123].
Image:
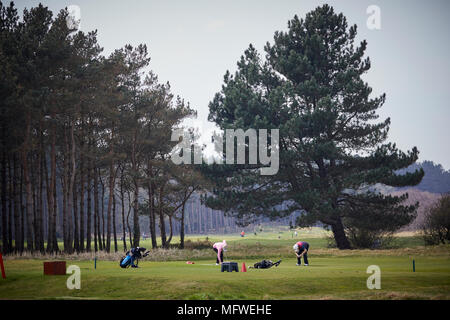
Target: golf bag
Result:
[266, 264]
[132, 257]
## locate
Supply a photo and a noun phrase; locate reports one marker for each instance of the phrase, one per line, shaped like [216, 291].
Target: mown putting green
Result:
[334, 277]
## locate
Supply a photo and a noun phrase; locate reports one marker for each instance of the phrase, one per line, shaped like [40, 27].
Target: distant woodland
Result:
[436, 179]
[435, 183]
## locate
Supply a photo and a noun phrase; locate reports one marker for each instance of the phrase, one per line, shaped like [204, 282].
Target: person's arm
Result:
[303, 252]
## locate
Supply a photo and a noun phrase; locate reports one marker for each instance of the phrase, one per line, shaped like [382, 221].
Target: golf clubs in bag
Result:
[132, 257]
[266, 264]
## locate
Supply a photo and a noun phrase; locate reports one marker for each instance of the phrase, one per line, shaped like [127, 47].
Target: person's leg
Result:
[305, 258]
[221, 256]
[217, 259]
[299, 260]
[306, 254]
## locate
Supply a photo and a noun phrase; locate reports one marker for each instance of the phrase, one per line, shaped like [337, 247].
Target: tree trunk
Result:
[136, 227]
[109, 208]
[70, 199]
[22, 213]
[199, 214]
[114, 223]
[81, 247]
[68, 181]
[122, 200]
[52, 242]
[89, 208]
[95, 229]
[128, 221]
[103, 235]
[55, 210]
[49, 208]
[134, 164]
[64, 182]
[182, 226]
[162, 225]
[10, 203]
[98, 243]
[151, 217]
[190, 227]
[29, 200]
[5, 247]
[40, 207]
[170, 231]
[76, 237]
[339, 234]
[34, 184]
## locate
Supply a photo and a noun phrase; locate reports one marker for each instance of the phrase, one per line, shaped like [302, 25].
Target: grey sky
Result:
[192, 44]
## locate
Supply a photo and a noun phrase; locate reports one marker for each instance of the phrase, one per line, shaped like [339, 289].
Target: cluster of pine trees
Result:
[83, 135]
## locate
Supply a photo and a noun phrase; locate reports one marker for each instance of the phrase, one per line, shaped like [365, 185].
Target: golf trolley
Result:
[132, 257]
[266, 264]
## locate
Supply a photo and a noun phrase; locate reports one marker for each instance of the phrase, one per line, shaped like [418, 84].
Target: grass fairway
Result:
[327, 277]
[332, 274]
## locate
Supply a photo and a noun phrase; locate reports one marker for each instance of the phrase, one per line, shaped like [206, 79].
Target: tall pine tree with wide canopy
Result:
[332, 148]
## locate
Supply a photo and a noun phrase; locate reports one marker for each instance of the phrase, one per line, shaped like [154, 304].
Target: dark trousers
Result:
[305, 256]
[221, 255]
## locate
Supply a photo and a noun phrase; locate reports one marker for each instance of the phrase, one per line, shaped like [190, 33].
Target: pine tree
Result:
[310, 87]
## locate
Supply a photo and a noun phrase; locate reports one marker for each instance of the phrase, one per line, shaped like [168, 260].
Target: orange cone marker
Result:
[244, 269]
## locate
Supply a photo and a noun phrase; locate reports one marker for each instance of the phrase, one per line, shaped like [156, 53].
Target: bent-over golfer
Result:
[301, 250]
[219, 248]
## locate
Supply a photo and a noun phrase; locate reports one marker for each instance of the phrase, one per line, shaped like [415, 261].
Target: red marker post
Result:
[2, 266]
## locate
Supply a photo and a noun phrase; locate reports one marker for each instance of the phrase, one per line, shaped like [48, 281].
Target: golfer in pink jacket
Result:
[219, 248]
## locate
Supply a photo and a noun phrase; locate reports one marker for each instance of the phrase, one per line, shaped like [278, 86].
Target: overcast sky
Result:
[192, 44]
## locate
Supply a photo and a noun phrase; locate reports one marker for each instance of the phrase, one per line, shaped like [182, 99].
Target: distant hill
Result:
[435, 182]
[436, 179]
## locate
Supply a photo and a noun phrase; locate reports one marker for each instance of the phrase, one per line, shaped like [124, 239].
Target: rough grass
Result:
[273, 242]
